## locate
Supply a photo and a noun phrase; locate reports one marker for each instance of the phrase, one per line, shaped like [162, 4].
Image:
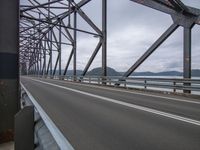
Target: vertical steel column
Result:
[9, 67]
[60, 47]
[40, 45]
[35, 45]
[50, 39]
[40, 70]
[51, 55]
[187, 56]
[104, 42]
[74, 44]
[69, 17]
[35, 68]
[45, 56]
[30, 63]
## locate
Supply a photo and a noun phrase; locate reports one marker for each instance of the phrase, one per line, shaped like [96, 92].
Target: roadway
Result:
[103, 118]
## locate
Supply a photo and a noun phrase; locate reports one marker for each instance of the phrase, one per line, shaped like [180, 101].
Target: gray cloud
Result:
[132, 28]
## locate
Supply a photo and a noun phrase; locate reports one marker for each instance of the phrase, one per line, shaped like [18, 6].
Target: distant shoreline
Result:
[113, 72]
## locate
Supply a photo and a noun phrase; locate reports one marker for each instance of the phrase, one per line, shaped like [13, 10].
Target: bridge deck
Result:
[103, 118]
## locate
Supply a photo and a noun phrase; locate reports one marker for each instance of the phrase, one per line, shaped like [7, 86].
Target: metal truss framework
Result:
[44, 29]
[47, 27]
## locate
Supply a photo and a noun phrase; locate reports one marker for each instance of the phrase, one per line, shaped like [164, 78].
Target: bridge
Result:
[96, 117]
[42, 106]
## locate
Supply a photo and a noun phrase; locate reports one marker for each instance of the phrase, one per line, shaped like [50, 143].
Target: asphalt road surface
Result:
[103, 118]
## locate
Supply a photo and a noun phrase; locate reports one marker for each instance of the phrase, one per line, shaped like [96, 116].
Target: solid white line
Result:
[169, 115]
[56, 133]
[131, 92]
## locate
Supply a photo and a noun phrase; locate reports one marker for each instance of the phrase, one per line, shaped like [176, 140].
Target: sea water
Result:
[163, 89]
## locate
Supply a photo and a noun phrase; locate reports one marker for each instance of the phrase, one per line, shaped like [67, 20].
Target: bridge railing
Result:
[159, 84]
[175, 85]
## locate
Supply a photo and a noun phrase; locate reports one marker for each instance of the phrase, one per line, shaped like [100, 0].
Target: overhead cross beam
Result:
[44, 31]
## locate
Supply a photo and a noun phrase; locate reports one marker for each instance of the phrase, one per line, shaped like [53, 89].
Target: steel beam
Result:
[68, 62]
[187, 53]
[40, 46]
[162, 38]
[41, 5]
[60, 50]
[50, 38]
[187, 57]
[70, 38]
[92, 57]
[9, 67]
[55, 67]
[88, 20]
[44, 63]
[48, 65]
[75, 45]
[158, 5]
[104, 41]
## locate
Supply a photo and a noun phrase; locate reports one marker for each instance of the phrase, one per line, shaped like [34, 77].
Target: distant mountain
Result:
[93, 72]
[195, 73]
[113, 72]
[71, 72]
[98, 72]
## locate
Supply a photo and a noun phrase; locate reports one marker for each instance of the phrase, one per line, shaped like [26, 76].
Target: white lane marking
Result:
[136, 93]
[131, 92]
[161, 113]
[56, 133]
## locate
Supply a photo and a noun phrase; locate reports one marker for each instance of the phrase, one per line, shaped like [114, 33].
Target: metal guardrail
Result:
[160, 84]
[58, 138]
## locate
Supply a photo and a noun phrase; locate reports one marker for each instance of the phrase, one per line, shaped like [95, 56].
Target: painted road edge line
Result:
[143, 94]
[62, 142]
[146, 109]
[131, 92]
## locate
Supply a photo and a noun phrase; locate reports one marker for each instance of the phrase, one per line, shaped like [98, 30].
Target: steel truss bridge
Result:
[43, 30]
[95, 115]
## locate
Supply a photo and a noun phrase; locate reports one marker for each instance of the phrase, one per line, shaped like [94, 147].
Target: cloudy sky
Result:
[132, 29]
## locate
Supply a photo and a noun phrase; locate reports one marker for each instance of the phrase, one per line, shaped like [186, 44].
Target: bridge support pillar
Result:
[9, 67]
[60, 50]
[104, 40]
[187, 56]
[75, 45]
